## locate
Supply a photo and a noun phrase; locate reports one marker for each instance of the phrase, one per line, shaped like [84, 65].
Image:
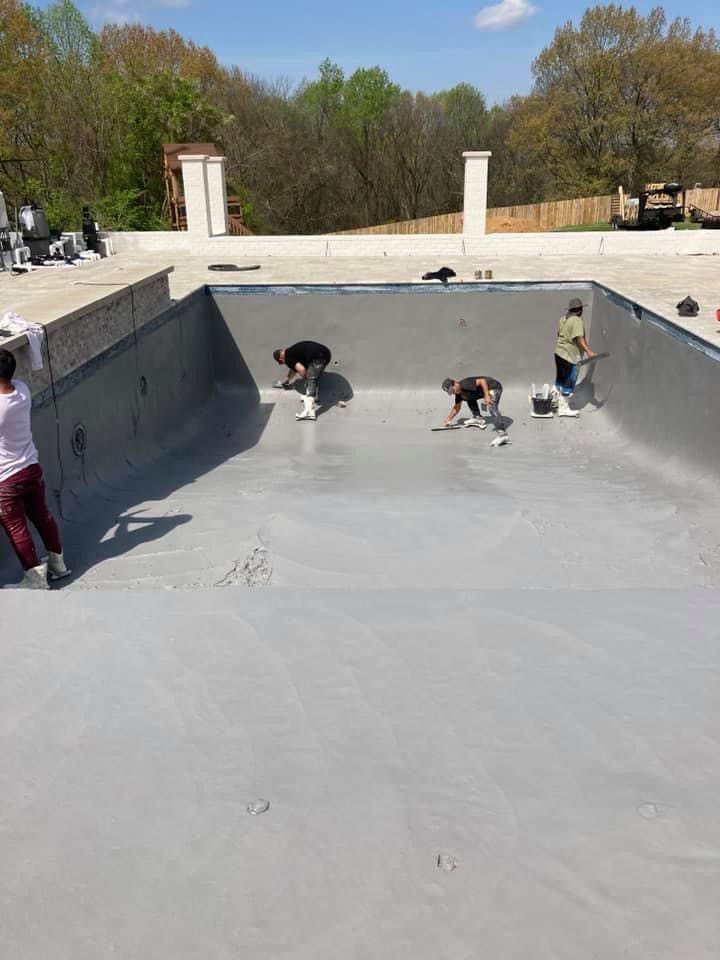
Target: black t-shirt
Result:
[305, 352]
[469, 390]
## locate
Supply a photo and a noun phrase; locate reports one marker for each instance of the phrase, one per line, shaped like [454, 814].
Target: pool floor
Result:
[478, 688]
[368, 496]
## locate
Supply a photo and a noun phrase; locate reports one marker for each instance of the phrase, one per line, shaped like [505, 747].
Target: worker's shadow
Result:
[132, 529]
[585, 393]
[115, 515]
[333, 389]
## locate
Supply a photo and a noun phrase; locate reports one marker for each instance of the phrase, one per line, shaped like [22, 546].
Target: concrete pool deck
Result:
[412, 645]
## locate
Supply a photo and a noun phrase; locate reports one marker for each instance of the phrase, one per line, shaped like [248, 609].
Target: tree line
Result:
[617, 98]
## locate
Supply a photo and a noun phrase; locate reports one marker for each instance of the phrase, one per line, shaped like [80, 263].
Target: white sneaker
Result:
[564, 409]
[475, 422]
[309, 409]
[36, 578]
[56, 566]
[500, 441]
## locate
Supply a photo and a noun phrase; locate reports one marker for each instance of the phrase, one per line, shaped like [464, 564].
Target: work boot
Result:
[475, 422]
[56, 566]
[309, 409]
[564, 409]
[34, 579]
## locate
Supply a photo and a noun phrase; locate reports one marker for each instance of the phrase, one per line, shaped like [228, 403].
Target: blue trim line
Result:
[346, 289]
[672, 329]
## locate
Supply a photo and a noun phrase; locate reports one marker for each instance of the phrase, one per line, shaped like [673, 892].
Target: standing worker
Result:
[22, 488]
[486, 390]
[308, 359]
[569, 349]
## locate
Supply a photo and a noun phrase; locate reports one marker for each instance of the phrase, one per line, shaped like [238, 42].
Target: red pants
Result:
[22, 498]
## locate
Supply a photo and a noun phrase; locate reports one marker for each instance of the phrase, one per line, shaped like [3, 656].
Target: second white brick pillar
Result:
[475, 197]
[205, 195]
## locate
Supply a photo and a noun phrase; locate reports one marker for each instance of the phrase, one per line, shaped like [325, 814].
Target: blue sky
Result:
[423, 45]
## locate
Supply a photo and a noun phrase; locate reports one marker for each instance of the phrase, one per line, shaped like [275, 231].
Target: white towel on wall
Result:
[35, 332]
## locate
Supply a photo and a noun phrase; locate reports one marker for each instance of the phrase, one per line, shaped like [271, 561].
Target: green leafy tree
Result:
[620, 98]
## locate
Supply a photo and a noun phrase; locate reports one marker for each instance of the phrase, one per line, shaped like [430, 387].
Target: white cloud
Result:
[120, 12]
[117, 13]
[504, 15]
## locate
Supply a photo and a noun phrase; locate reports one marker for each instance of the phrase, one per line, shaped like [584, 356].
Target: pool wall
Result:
[140, 396]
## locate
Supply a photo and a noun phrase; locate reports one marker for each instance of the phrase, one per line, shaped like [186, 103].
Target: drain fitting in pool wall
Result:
[143, 386]
[78, 439]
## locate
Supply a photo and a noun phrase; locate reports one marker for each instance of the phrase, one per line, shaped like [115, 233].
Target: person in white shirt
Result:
[22, 488]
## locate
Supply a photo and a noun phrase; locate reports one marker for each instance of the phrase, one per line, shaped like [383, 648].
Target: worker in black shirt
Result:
[472, 390]
[309, 359]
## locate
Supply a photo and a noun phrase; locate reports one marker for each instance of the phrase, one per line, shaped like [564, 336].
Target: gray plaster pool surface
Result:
[412, 644]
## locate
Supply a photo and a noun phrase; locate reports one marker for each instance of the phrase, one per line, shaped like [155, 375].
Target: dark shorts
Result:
[566, 374]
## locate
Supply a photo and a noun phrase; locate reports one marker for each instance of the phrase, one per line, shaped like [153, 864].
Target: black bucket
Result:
[542, 406]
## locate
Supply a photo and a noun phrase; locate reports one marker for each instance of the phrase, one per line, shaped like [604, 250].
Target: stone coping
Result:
[54, 300]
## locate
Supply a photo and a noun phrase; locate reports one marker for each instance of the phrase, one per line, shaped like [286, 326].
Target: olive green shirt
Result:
[570, 327]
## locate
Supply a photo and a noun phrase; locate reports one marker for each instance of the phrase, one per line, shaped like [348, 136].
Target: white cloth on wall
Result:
[34, 332]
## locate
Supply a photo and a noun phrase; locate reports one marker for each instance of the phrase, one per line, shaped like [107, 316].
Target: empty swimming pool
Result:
[412, 644]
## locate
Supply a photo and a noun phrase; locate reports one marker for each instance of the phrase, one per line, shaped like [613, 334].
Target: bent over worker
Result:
[22, 488]
[308, 359]
[475, 390]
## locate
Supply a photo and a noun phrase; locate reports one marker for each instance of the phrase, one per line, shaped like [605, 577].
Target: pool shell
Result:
[412, 645]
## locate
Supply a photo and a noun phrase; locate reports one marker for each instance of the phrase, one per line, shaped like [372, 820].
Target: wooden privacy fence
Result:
[551, 215]
[444, 223]
[707, 198]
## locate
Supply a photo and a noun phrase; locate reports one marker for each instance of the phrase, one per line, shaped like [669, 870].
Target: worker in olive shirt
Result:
[486, 390]
[569, 349]
[309, 359]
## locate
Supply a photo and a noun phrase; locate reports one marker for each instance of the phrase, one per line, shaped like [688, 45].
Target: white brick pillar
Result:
[475, 198]
[217, 196]
[195, 190]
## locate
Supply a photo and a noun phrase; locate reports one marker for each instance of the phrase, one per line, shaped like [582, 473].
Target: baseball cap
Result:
[576, 304]
[447, 384]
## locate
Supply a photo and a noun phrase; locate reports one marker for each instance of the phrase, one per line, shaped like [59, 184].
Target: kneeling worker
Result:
[22, 488]
[488, 391]
[309, 359]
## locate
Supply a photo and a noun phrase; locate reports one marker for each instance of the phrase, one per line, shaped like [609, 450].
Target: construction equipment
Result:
[657, 207]
[35, 231]
[5, 239]
[708, 219]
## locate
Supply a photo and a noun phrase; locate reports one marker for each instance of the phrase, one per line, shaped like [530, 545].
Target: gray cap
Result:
[447, 384]
[576, 304]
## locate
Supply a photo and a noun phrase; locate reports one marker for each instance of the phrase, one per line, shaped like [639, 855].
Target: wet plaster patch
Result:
[254, 571]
